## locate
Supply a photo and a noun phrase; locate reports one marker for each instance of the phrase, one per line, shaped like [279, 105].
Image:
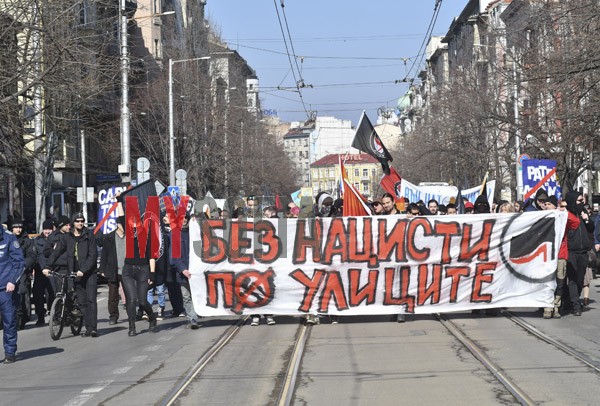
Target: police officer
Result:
[12, 265]
[43, 293]
[24, 287]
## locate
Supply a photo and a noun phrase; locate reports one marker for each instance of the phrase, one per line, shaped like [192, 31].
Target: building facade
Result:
[362, 170]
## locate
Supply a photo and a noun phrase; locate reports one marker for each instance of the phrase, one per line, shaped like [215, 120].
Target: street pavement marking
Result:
[138, 358]
[152, 348]
[98, 387]
[101, 299]
[165, 338]
[79, 400]
[122, 370]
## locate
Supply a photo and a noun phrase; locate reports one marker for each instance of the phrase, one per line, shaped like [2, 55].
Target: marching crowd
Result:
[67, 247]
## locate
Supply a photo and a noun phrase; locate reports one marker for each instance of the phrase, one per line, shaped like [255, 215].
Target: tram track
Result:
[557, 344]
[199, 366]
[286, 392]
[519, 393]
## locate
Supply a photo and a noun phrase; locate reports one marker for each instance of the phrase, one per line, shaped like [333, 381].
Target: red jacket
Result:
[572, 224]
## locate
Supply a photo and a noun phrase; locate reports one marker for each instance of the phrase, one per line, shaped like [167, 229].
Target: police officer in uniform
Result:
[12, 265]
[24, 287]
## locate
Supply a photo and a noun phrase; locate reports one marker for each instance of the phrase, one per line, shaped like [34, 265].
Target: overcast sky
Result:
[352, 50]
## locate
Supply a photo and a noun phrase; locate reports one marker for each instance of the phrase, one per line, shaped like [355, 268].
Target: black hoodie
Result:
[578, 240]
[482, 205]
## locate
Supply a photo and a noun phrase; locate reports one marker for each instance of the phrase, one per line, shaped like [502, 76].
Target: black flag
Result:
[460, 203]
[367, 140]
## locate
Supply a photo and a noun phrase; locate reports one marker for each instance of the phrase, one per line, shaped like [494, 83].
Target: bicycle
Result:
[64, 310]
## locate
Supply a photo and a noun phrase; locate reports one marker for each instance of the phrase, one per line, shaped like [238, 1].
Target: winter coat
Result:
[55, 250]
[183, 262]
[82, 252]
[572, 225]
[108, 258]
[12, 262]
[28, 248]
[39, 244]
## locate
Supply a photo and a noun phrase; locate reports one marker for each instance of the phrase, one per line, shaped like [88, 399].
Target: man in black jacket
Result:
[43, 293]
[111, 266]
[82, 254]
[56, 258]
[579, 244]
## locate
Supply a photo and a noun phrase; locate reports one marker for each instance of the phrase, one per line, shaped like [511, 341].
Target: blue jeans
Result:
[160, 293]
[8, 309]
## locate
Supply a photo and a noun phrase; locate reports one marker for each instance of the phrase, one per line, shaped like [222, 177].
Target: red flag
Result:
[355, 204]
[278, 202]
[391, 183]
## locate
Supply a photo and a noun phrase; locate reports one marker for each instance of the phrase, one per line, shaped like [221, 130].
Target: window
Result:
[365, 187]
[365, 173]
[356, 173]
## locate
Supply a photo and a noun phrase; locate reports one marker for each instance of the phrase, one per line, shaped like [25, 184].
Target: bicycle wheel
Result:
[56, 318]
[76, 321]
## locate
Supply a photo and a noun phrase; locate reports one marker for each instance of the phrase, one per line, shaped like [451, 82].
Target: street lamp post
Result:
[171, 125]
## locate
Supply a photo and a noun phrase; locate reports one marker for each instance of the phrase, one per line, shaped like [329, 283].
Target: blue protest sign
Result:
[540, 173]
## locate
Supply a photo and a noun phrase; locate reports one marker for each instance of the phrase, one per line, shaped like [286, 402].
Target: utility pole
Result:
[83, 175]
[519, 179]
[125, 167]
[39, 164]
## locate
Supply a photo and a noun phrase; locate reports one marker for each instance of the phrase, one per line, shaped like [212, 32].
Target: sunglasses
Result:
[78, 221]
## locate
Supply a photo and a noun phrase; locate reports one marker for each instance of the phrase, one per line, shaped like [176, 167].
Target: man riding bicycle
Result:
[79, 247]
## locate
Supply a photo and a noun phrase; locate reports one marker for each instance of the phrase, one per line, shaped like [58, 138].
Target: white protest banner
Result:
[442, 194]
[374, 265]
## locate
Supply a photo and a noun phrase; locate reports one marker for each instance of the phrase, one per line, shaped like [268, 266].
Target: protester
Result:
[171, 275]
[433, 206]
[57, 259]
[182, 265]
[563, 254]
[12, 264]
[451, 209]
[389, 208]
[138, 274]
[43, 293]
[506, 207]
[376, 207]
[324, 204]
[538, 203]
[82, 255]
[111, 266]
[578, 244]
[469, 208]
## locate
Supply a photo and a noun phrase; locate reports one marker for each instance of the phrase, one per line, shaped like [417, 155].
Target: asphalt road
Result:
[361, 361]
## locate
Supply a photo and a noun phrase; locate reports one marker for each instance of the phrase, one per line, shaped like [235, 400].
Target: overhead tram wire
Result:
[421, 53]
[287, 27]
[361, 58]
[290, 59]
